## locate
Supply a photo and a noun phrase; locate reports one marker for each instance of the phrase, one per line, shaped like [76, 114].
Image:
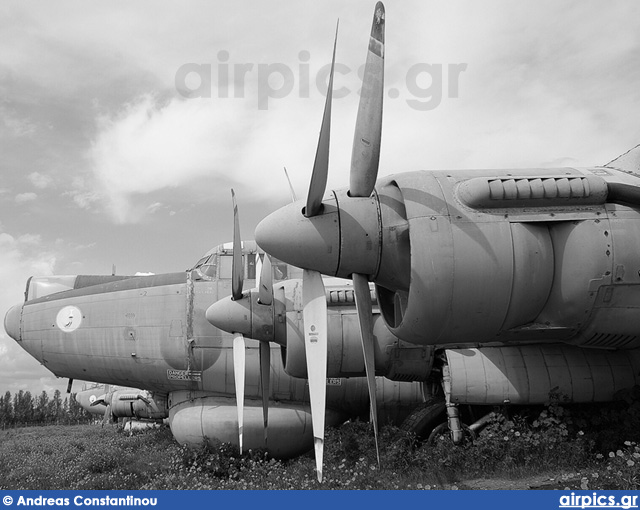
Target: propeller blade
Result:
[258, 267]
[365, 317]
[265, 287]
[294, 198]
[321, 164]
[265, 375]
[237, 271]
[365, 154]
[315, 336]
[238, 373]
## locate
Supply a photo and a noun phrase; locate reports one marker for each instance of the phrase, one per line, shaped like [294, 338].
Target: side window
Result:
[251, 265]
[226, 264]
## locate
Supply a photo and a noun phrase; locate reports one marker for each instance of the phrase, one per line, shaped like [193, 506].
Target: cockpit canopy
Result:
[218, 263]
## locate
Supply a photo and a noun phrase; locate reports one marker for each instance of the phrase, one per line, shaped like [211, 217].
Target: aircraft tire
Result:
[424, 417]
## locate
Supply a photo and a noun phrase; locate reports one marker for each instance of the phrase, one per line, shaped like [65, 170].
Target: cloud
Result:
[150, 146]
[21, 198]
[20, 257]
[200, 146]
[14, 125]
[40, 181]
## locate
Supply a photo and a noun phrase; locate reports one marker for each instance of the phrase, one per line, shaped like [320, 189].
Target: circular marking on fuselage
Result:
[69, 318]
[92, 399]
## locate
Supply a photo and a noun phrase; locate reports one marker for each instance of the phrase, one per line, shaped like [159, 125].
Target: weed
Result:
[584, 447]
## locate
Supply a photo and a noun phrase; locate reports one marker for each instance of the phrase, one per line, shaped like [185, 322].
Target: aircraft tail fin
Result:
[627, 162]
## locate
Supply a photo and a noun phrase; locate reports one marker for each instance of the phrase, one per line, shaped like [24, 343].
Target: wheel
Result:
[442, 430]
[424, 417]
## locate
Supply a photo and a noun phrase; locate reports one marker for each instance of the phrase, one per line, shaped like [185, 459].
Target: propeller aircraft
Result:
[151, 332]
[114, 403]
[521, 282]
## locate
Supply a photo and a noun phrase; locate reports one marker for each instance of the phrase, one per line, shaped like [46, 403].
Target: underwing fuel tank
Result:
[204, 418]
[200, 417]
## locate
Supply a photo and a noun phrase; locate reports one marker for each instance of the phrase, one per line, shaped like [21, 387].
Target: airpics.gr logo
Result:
[596, 500]
[69, 318]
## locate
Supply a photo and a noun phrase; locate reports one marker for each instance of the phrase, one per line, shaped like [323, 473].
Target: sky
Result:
[123, 125]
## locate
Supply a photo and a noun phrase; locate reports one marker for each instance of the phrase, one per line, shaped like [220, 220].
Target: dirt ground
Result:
[537, 482]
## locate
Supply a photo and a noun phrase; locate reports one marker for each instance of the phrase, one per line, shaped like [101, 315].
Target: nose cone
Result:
[231, 316]
[12, 322]
[309, 243]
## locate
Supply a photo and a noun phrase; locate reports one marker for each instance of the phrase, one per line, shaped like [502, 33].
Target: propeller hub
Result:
[344, 238]
[309, 243]
[245, 316]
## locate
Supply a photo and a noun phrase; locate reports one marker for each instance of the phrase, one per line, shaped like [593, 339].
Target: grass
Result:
[582, 448]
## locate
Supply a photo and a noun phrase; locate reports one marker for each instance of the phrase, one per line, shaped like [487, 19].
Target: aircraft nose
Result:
[12, 322]
[232, 316]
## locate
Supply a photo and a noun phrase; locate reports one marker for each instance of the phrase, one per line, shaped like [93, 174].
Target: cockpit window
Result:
[200, 262]
[207, 267]
[220, 265]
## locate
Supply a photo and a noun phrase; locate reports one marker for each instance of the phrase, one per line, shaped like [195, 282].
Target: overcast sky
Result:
[111, 152]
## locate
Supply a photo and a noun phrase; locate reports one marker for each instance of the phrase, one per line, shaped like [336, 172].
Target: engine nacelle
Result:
[531, 374]
[525, 257]
[395, 359]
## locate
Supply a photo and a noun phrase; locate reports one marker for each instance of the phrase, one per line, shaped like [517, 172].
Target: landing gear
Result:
[453, 429]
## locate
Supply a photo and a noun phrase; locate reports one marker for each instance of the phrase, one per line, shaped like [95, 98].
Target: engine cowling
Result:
[395, 359]
[527, 256]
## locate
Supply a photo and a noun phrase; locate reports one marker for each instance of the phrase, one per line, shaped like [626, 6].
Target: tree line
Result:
[23, 409]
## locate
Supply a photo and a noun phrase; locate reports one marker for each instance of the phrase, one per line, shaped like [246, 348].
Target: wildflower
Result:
[611, 455]
[619, 453]
[580, 433]
[599, 456]
[627, 443]
[630, 463]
